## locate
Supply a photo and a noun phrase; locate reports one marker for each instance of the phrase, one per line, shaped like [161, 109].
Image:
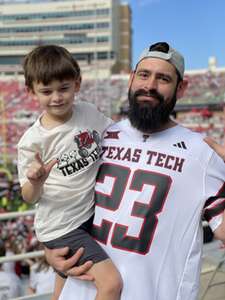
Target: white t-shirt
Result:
[151, 193]
[67, 199]
[10, 286]
[42, 281]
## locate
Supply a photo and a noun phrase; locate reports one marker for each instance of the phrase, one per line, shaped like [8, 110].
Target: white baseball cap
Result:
[163, 51]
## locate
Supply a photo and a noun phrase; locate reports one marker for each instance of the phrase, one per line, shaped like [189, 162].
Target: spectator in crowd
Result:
[156, 180]
[10, 284]
[41, 274]
[41, 277]
[9, 266]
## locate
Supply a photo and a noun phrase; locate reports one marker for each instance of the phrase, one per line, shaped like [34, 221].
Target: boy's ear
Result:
[31, 93]
[77, 84]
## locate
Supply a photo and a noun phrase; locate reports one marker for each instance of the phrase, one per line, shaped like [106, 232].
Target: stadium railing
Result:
[18, 257]
[34, 297]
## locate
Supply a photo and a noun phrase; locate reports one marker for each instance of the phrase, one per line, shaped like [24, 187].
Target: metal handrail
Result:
[35, 297]
[13, 215]
[22, 256]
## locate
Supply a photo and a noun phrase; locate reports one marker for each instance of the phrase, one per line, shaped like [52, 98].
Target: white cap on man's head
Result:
[163, 51]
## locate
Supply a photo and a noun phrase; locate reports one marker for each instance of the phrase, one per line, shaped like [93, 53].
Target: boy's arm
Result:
[31, 192]
[37, 173]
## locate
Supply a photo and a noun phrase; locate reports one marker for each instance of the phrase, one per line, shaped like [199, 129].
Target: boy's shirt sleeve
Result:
[26, 152]
[215, 191]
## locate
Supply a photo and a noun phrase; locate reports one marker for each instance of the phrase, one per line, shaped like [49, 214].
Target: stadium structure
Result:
[99, 35]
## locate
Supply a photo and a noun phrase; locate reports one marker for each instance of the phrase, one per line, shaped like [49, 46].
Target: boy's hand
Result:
[56, 258]
[219, 149]
[38, 171]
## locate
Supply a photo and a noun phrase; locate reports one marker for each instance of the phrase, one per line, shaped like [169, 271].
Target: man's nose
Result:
[150, 83]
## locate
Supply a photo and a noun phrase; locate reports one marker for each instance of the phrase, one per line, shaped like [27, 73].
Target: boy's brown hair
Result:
[49, 62]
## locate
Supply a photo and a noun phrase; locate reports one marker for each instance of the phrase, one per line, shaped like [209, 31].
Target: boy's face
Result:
[56, 98]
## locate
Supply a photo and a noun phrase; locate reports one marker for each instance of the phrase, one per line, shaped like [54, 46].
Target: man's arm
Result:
[56, 258]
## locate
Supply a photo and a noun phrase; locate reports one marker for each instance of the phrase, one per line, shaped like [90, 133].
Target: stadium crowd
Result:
[205, 87]
[19, 110]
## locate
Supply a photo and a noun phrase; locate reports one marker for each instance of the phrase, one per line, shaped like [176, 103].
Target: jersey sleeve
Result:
[215, 191]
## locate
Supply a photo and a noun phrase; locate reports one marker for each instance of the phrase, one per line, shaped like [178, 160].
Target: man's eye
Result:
[164, 78]
[142, 75]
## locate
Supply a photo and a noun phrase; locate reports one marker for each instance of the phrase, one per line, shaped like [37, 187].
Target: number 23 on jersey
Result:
[124, 181]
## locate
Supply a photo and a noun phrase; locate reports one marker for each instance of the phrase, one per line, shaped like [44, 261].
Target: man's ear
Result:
[182, 86]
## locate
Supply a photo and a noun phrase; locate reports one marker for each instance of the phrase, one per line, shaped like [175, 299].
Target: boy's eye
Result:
[46, 92]
[64, 88]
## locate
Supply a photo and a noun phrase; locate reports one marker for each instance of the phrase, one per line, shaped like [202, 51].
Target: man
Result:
[156, 181]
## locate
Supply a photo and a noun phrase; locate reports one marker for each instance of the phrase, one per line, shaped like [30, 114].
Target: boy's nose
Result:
[56, 96]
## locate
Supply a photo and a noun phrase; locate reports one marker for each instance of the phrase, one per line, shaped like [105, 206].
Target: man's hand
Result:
[56, 258]
[219, 149]
[38, 172]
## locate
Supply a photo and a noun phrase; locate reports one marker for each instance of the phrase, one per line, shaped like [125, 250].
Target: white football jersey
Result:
[151, 193]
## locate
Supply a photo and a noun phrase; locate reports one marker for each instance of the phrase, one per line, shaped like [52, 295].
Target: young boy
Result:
[58, 159]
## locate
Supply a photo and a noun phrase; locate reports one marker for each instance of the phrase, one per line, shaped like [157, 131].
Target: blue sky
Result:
[194, 27]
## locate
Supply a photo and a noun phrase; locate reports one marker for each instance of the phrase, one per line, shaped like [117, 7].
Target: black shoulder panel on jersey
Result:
[221, 194]
[214, 211]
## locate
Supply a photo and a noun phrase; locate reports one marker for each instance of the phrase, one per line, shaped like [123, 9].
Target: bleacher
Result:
[205, 88]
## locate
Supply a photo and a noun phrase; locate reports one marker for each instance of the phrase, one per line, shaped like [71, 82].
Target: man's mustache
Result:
[150, 93]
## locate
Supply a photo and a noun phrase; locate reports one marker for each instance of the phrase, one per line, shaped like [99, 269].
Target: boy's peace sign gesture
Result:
[37, 174]
[38, 171]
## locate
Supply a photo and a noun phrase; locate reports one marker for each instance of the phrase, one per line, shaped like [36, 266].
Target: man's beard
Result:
[146, 117]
